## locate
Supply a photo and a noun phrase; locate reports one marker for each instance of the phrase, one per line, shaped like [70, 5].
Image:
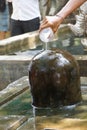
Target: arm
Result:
[70, 7]
[55, 21]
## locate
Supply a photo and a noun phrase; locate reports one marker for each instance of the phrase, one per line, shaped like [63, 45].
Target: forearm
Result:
[55, 21]
[70, 7]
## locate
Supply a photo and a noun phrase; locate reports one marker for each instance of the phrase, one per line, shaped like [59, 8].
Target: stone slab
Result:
[14, 89]
[11, 122]
[20, 105]
[53, 123]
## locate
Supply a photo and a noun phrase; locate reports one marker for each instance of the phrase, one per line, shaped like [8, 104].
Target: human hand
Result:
[51, 21]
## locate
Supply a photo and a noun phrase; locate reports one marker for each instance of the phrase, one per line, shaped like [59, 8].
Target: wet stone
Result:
[11, 122]
[13, 89]
[16, 112]
[54, 123]
[54, 79]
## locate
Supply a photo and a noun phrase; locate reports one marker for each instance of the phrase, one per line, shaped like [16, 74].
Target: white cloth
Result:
[83, 8]
[25, 9]
[9, 0]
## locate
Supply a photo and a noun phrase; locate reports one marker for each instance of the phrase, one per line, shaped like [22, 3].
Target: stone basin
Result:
[68, 118]
[17, 114]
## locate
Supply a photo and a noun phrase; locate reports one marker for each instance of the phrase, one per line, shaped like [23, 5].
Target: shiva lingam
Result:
[54, 79]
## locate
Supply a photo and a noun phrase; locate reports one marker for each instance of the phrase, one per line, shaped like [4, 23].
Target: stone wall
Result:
[13, 68]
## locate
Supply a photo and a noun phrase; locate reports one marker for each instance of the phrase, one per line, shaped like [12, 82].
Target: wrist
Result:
[57, 15]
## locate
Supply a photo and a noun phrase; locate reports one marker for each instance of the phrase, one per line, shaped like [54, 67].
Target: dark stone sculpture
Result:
[54, 79]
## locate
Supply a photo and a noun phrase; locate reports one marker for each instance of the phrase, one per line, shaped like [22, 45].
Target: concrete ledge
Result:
[21, 42]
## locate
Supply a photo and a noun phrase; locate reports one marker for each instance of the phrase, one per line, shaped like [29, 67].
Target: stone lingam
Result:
[54, 79]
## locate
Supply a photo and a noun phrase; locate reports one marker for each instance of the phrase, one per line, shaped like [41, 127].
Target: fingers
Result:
[44, 20]
[49, 21]
[45, 23]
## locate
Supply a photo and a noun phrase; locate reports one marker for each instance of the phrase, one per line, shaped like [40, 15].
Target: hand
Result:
[52, 22]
